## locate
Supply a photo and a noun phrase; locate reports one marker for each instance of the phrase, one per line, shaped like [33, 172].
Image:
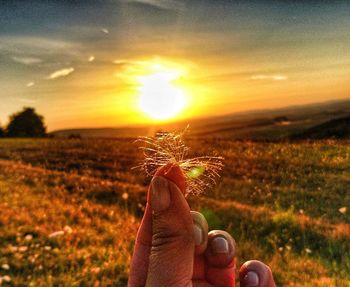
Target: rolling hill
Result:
[334, 129]
[274, 124]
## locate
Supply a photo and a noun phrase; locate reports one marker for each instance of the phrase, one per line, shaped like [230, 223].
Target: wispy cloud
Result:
[24, 45]
[30, 84]
[129, 62]
[162, 4]
[61, 73]
[120, 62]
[269, 77]
[26, 60]
[28, 101]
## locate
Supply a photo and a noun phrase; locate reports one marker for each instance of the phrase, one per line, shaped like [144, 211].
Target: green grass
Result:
[280, 201]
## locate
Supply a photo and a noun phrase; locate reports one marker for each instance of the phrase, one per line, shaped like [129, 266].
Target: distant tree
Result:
[26, 123]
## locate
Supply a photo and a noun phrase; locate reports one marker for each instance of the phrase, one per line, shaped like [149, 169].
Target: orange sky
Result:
[80, 65]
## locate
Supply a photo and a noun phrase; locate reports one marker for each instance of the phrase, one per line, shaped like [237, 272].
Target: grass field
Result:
[69, 209]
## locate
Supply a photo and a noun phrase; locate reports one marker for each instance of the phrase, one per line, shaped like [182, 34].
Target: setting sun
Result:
[160, 97]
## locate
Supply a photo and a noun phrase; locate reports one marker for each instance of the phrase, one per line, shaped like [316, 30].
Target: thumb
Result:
[172, 251]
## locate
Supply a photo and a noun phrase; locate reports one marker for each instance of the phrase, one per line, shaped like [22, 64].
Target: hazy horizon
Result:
[198, 118]
[83, 64]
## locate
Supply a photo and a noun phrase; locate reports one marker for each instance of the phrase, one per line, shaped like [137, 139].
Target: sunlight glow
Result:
[160, 97]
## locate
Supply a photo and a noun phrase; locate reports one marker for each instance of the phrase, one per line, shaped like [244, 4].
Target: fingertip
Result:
[174, 173]
[200, 227]
[221, 249]
[220, 259]
[255, 273]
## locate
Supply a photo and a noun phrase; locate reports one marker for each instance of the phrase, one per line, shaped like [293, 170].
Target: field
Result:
[69, 209]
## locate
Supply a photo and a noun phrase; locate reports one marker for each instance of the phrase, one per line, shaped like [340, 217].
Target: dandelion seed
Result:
[23, 249]
[13, 248]
[6, 278]
[342, 210]
[308, 251]
[165, 147]
[56, 234]
[5, 266]
[67, 229]
[28, 237]
[95, 270]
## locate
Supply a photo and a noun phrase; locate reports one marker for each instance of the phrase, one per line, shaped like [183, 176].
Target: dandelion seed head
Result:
[23, 249]
[28, 237]
[125, 196]
[169, 148]
[342, 210]
[5, 266]
[56, 234]
[67, 229]
[6, 278]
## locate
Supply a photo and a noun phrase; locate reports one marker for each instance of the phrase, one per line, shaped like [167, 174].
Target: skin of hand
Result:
[173, 246]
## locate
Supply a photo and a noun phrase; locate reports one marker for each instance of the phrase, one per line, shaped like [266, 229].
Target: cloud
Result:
[123, 63]
[161, 4]
[61, 73]
[24, 45]
[26, 60]
[129, 62]
[28, 101]
[269, 77]
[30, 84]
[120, 62]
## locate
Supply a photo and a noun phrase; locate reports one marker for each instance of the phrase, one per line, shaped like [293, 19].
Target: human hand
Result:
[173, 246]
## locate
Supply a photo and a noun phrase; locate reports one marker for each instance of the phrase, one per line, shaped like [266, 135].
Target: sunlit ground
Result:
[70, 209]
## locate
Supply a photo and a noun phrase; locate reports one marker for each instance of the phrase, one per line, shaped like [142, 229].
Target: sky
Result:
[79, 63]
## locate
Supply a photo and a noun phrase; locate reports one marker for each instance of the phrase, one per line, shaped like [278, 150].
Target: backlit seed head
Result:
[165, 147]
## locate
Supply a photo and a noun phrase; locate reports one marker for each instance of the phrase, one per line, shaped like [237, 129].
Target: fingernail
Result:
[251, 279]
[160, 194]
[219, 245]
[198, 234]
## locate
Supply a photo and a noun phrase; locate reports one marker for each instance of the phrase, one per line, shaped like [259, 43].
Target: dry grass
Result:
[69, 209]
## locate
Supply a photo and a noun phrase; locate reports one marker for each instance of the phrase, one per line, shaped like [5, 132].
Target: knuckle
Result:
[166, 238]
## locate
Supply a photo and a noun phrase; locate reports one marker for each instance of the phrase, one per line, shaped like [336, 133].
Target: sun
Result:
[160, 97]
